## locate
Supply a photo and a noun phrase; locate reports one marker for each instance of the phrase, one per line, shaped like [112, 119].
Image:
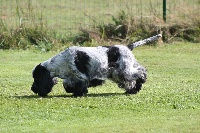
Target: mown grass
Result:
[168, 102]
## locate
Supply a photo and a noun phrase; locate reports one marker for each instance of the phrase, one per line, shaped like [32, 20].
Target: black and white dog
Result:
[83, 67]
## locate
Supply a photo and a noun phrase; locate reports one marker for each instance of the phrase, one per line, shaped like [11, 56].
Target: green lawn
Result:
[168, 102]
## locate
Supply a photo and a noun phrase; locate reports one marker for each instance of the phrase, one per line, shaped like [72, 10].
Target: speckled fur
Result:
[113, 62]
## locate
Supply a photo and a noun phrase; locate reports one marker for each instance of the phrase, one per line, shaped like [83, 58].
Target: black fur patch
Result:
[81, 61]
[96, 82]
[79, 89]
[42, 81]
[69, 89]
[113, 55]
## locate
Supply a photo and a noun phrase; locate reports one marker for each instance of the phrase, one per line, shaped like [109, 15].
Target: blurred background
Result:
[123, 20]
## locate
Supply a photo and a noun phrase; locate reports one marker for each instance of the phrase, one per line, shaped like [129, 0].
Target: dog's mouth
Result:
[43, 90]
[36, 90]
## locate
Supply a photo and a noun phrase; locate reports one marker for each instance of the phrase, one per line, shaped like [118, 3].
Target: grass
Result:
[168, 102]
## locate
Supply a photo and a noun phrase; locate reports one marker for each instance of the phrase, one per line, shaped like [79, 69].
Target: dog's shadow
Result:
[70, 96]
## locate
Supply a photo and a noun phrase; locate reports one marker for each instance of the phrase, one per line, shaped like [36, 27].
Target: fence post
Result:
[164, 10]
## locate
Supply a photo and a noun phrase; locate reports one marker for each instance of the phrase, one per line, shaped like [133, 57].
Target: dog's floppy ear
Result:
[42, 80]
[36, 73]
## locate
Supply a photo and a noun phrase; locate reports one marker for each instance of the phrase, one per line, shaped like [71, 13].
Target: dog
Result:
[83, 67]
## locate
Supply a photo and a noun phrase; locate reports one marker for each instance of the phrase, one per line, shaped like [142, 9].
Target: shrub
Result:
[182, 25]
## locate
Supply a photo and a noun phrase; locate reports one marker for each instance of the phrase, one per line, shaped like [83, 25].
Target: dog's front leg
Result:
[77, 87]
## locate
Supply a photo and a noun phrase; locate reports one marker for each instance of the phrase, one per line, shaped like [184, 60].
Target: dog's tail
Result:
[142, 42]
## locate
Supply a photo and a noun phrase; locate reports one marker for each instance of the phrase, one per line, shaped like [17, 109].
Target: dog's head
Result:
[43, 83]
